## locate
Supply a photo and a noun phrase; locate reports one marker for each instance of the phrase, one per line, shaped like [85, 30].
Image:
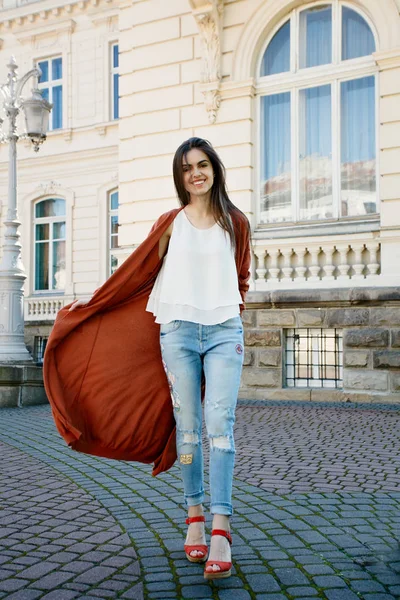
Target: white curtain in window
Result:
[316, 36]
[276, 58]
[315, 153]
[357, 37]
[358, 154]
[275, 159]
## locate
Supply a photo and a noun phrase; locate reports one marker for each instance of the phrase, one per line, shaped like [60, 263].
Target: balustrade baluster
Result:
[314, 268]
[261, 269]
[274, 269]
[358, 265]
[343, 267]
[287, 268]
[329, 267]
[373, 265]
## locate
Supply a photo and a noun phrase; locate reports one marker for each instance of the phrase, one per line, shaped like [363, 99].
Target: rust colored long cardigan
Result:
[103, 371]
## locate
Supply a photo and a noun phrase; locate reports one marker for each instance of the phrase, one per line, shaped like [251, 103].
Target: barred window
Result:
[314, 358]
[113, 204]
[39, 346]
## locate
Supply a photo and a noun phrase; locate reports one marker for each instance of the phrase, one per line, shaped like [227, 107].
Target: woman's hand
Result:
[79, 302]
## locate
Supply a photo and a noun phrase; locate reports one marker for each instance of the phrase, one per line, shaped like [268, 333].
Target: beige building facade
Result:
[302, 102]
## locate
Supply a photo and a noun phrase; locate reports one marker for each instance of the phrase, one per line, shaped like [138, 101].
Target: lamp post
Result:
[12, 273]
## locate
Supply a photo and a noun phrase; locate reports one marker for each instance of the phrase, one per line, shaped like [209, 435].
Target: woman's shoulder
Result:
[167, 217]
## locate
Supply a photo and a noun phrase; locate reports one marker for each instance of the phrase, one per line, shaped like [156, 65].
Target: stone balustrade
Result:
[44, 308]
[305, 263]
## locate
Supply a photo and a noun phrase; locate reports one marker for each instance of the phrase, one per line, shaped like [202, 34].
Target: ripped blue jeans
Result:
[187, 349]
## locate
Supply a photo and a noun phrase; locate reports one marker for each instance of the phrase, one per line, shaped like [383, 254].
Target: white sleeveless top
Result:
[198, 279]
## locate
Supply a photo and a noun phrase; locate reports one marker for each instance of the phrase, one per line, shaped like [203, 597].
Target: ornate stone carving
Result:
[49, 188]
[208, 15]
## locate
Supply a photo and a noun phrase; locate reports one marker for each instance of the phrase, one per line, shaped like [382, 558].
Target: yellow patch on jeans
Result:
[186, 459]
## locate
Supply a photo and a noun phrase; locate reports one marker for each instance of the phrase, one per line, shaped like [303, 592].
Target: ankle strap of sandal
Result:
[223, 533]
[195, 520]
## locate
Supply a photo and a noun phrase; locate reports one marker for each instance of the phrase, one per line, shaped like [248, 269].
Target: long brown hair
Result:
[221, 206]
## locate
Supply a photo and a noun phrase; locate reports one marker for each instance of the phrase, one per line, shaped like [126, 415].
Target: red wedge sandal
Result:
[200, 547]
[225, 567]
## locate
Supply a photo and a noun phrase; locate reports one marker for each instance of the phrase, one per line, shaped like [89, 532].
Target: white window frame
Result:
[113, 71]
[293, 81]
[54, 83]
[111, 213]
[49, 221]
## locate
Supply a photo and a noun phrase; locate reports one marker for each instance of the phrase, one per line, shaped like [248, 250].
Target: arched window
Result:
[318, 117]
[113, 204]
[49, 251]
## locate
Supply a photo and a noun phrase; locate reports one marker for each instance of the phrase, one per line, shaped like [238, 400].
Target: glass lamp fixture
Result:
[37, 111]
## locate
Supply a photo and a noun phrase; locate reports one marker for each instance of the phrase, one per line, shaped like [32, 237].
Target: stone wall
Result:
[369, 320]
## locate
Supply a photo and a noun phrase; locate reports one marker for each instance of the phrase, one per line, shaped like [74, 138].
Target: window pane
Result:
[358, 147]
[113, 264]
[357, 37]
[275, 158]
[59, 231]
[114, 201]
[315, 153]
[42, 232]
[58, 265]
[276, 58]
[57, 108]
[54, 207]
[45, 93]
[56, 68]
[44, 67]
[316, 36]
[115, 95]
[42, 266]
[114, 224]
[115, 56]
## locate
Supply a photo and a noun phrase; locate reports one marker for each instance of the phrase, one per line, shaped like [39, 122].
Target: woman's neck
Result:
[200, 206]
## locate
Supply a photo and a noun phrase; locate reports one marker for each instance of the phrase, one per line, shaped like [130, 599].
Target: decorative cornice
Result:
[208, 15]
[107, 18]
[388, 59]
[24, 36]
[237, 89]
[17, 18]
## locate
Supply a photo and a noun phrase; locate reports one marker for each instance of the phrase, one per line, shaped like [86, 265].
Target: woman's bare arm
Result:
[164, 241]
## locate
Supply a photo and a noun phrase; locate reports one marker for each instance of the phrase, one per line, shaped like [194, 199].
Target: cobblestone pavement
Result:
[316, 499]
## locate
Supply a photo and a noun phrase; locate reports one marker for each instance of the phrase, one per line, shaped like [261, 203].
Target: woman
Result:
[197, 298]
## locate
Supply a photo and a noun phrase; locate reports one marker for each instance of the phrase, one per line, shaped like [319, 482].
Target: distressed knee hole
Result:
[190, 438]
[222, 442]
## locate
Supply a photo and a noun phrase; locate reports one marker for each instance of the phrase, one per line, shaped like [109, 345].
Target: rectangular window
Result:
[51, 86]
[114, 82]
[314, 358]
[276, 182]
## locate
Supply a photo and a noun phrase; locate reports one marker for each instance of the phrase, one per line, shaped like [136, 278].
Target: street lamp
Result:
[12, 273]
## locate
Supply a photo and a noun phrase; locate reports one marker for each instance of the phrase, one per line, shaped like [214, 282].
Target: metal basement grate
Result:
[314, 358]
[39, 348]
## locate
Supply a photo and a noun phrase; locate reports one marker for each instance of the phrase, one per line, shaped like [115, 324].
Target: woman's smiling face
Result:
[198, 174]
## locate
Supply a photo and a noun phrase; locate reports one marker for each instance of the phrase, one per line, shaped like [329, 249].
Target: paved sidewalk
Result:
[316, 499]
